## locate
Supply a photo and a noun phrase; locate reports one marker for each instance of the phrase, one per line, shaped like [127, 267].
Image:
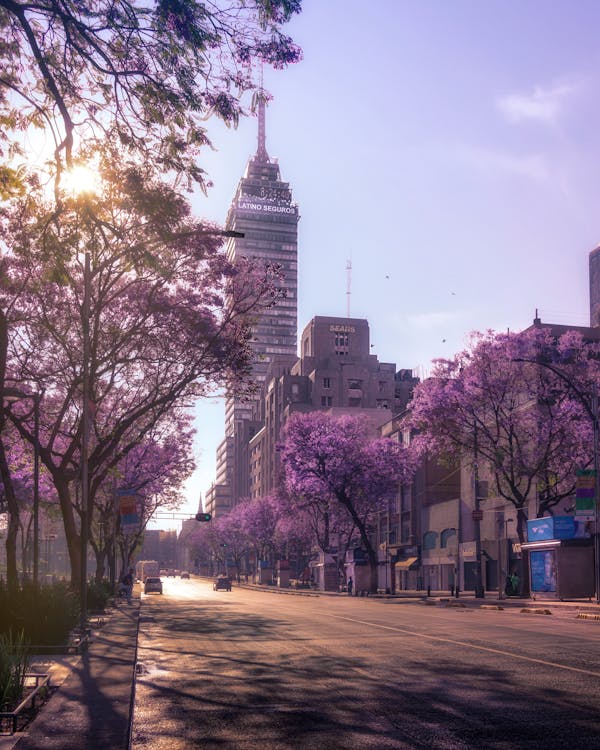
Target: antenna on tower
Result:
[348, 285]
[261, 151]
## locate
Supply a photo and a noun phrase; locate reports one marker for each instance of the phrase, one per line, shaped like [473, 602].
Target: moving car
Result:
[222, 583]
[185, 574]
[153, 583]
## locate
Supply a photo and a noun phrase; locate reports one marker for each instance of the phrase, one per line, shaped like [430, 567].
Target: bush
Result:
[14, 661]
[45, 616]
[98, 594]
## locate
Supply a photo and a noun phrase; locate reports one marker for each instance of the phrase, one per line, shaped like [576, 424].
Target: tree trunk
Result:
[72, 535]
[101, 555]
[13, 521]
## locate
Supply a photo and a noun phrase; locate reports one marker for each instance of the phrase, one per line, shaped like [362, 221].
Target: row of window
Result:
[430, 538]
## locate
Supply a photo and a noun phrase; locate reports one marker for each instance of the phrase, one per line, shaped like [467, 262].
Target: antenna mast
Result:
[261, 151]
[348, 284]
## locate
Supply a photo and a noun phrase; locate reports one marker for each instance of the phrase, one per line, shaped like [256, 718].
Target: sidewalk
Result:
[92, 708]
[466, 598]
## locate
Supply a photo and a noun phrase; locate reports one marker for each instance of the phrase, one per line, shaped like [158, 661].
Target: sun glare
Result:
[80, 180]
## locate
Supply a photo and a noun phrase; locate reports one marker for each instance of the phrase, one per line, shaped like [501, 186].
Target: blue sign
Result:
[551, 527]
[540, 529]
[564, 527]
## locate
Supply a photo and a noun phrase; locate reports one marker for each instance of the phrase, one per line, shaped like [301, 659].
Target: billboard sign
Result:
[551, 527]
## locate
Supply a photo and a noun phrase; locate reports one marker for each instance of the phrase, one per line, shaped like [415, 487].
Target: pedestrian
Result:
[350, 584]
[127, 582]
[514, 580]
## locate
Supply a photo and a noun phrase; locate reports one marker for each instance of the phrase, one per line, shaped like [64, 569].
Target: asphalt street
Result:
[254, 670]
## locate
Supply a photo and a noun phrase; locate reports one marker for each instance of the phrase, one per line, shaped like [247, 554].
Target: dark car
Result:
[153, 583]
[222, 584]
[185, 574]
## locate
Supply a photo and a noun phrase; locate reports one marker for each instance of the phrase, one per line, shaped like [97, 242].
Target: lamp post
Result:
[502, 551]
[477, 516]
[13, 394]
[590, 404]
[85, 437]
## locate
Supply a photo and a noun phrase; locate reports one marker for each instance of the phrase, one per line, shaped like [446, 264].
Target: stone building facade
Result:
[337, 373]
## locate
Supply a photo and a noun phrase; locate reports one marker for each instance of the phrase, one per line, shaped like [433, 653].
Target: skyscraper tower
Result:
[262, 209]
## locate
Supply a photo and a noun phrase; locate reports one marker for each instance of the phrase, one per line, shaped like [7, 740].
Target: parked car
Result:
[153, 584]
[222, 583]
[185, 574]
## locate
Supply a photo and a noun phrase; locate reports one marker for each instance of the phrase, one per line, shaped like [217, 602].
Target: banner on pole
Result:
[130, 520]
[585, 494]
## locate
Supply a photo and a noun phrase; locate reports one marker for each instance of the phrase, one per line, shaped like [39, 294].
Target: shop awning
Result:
[406, 564]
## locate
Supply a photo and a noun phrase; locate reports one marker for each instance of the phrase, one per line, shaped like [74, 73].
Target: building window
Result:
[341, 343]
[445, 535]
[355, 384]
[326, 401]
[429, 539]
[355, 402]
[326, 383]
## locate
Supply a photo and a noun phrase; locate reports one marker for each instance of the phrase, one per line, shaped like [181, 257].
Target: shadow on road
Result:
[231, 679]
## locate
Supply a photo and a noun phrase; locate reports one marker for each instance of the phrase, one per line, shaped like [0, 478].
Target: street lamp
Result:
[590, 404]
[13, 394]
[502, 551]
[83, 181]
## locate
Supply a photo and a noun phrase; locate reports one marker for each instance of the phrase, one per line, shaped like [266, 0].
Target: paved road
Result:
[252, 670]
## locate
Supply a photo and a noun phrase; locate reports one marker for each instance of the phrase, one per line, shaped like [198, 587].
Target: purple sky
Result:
[451, 146]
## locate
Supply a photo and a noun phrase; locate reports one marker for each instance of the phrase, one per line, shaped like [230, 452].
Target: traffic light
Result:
[203, 517]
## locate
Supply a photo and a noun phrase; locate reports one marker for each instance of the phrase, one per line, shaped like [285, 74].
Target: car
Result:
[222, 583]
[185, 574]
[153, 584]
[170, 573]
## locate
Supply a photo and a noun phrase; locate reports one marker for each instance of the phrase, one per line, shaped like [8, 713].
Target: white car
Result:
[153, 584]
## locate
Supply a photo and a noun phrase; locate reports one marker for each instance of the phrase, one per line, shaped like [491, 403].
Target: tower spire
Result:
[261, 151]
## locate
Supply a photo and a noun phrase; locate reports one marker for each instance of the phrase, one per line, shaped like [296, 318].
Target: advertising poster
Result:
[543, 570]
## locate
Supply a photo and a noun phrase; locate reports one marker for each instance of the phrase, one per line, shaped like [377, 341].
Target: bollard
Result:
[456, 592]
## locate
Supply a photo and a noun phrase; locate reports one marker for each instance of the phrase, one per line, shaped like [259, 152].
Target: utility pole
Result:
[477, 516]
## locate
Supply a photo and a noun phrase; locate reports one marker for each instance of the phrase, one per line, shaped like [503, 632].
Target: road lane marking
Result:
[497, 651]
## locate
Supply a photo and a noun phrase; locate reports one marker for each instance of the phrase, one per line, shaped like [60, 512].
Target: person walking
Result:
[350, 586]
[128, 583]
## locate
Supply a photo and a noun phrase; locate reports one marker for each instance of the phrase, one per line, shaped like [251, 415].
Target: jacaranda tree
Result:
[499, 405]
[169, 319]
[336, 459]
[143, 75]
